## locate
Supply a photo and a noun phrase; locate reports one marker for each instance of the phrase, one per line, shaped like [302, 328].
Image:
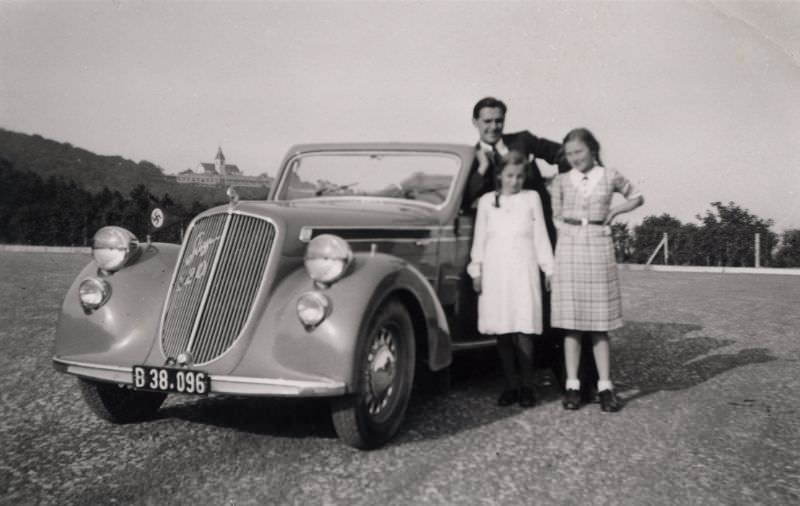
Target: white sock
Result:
[573, 384]
[604, 385]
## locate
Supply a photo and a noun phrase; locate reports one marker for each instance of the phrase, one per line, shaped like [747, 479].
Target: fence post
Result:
[758, 250]
[661, 244]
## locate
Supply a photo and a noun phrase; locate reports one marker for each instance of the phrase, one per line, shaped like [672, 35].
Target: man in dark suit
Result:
[489, 116]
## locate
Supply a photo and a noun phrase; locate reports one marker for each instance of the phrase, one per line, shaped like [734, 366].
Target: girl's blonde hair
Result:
[513, 157]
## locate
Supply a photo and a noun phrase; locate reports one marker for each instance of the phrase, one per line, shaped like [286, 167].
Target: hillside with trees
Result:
[94, 173]
[56, 212]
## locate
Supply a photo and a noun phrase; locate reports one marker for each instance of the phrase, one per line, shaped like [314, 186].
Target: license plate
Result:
[166, 379]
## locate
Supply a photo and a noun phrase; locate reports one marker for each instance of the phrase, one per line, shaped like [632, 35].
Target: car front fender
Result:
[331, 349]
[122, 331]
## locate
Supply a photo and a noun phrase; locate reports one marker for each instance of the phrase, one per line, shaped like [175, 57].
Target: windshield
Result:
[422, 177]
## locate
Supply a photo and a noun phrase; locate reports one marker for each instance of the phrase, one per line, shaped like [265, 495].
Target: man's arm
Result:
[551, 152]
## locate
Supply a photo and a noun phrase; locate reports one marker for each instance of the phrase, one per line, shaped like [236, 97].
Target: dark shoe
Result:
[508, 397]
[609, 401]
[527, 397]
[572, 399]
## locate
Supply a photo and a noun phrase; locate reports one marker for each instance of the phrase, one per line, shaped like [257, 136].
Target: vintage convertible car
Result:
[346, 283]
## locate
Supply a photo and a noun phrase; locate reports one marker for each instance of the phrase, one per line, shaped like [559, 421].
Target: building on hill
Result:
[220, 173]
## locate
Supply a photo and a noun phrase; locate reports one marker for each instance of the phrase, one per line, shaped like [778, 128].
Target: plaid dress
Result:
[586, 291]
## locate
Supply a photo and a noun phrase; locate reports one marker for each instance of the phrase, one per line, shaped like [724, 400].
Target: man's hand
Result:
[483, 161]
[476, 284]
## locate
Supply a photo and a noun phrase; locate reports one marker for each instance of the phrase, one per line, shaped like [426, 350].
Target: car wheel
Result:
[119, 404]
[371, 416]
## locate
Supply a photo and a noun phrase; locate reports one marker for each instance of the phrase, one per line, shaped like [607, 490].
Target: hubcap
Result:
[381, 371]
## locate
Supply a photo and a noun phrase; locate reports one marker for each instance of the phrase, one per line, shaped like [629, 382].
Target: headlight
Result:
[312, 308]
[113, 247]
[327, 258]
[94, 293]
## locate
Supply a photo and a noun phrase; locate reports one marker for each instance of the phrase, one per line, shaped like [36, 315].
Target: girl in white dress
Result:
[509, 248]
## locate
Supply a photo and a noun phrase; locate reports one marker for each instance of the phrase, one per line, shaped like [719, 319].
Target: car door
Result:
[459, 300]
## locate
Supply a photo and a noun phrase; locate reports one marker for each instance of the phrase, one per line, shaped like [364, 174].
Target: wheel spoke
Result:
[381, 370]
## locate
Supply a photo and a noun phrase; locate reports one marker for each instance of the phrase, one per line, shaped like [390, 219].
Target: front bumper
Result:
[232, 385]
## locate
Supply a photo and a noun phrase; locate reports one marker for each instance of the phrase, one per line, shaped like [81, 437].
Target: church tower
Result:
[219, 162]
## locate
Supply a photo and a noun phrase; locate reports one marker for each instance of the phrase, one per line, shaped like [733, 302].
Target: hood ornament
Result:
[233, 197]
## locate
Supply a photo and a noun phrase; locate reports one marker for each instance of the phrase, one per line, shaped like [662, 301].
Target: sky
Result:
[695, 102]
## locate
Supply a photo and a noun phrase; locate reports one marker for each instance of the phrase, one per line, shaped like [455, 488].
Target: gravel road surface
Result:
[709, 366]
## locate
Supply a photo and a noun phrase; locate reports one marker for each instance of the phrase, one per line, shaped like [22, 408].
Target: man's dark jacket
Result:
[534, 147]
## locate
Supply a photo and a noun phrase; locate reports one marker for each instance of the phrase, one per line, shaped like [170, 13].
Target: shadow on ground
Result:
[290, 418]
[469, 403]
[650, 357]
[647, 357]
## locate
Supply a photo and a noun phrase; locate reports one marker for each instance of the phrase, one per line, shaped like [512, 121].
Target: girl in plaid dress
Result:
[586, 292]
[510, 246]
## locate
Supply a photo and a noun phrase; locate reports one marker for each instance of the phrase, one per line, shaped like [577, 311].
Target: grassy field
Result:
[707, 363]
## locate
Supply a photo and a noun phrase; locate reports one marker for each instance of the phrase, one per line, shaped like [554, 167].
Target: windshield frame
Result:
[280, 189]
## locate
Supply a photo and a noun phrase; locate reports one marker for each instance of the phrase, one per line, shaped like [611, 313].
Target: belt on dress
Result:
[582, 221]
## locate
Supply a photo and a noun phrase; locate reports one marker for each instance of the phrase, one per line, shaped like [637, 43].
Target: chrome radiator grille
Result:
[213, 292]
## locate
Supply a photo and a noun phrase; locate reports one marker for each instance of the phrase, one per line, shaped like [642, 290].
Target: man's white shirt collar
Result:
[501, 147]
[593, 176]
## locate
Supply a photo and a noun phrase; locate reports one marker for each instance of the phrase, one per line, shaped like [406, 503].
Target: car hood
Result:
[345, 217]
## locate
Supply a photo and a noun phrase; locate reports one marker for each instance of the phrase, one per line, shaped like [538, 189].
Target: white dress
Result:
[509, 248]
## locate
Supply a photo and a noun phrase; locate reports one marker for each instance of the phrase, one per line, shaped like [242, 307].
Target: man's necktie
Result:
[496, 157]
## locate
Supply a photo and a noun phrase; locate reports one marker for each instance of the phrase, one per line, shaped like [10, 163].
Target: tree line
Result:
[724, 236]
